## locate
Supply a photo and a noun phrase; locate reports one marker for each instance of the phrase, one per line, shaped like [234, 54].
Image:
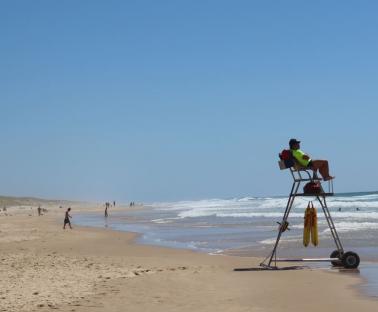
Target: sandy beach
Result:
[44, 268]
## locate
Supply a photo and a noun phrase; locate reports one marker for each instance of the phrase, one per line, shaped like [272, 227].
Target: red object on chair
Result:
[312, 188]
[287, 158]
[286, 155]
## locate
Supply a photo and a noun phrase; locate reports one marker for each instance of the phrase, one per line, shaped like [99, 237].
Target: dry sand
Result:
[45, 268]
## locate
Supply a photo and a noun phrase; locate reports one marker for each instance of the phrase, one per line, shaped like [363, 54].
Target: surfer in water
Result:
[305, 160]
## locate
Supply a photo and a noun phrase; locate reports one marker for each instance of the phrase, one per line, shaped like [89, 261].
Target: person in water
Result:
[305, 160]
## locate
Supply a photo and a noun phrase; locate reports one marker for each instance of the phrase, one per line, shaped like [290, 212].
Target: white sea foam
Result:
[352, 204]
[249, 213]
[164, 220]
[355, 215]
[354, 226]
[271, 241]
[253, 207]
[258, 214]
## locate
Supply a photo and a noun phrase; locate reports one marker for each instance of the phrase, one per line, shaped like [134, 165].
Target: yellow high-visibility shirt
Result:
[298, 155]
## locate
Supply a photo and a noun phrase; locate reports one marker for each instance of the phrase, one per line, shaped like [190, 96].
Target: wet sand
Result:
[44, 268]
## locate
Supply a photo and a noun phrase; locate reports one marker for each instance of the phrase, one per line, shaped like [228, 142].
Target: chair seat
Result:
[303, 174]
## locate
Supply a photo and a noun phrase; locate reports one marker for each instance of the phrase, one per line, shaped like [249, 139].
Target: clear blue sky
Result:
[169, 100]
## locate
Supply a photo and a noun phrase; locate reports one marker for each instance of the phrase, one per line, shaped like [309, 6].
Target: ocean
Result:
[248, 226]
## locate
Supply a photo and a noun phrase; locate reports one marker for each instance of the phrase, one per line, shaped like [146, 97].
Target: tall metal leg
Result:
[328, 217]
[290, 202]
[331, 225]
[272, 257]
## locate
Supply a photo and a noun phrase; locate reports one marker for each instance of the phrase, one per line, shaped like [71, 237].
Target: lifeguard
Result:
[305, 160]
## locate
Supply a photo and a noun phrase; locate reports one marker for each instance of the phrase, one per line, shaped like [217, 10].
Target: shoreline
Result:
[93, 269]
[324, 267]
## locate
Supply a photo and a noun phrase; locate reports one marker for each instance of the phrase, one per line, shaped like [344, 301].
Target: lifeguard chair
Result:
[301, 176]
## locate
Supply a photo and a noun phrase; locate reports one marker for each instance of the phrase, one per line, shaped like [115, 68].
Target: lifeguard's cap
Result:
[292, 142]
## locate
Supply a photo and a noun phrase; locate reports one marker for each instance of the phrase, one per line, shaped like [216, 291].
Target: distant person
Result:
[67, 218]
[305, 160]
[39, 211]
[358, 209]
[106, 209]
[339, 209]
[113, 203]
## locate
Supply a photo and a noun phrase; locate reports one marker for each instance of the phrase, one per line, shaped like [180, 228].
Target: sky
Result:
[181, 100]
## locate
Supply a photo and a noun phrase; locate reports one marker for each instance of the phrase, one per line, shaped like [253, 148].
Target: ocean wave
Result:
[271, 241]
[356, 207]
[195, 214]
[271, 201]
[357, 215]
[353, 226]
[164, 220]
[353, 204]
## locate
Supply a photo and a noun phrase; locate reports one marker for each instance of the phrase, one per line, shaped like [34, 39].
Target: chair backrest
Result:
[282, 165]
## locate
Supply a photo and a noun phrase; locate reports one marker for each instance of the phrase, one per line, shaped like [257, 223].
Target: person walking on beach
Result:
[39, 211]
[306, 161]
[106, 209]
[67, 219]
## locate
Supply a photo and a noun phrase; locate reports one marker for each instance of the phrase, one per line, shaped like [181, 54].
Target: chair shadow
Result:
[257, 269]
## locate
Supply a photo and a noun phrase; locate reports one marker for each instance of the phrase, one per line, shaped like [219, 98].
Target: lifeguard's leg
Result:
[323, 167]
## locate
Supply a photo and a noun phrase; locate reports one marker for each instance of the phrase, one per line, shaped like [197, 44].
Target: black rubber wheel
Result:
[350, 260]
[336, 254]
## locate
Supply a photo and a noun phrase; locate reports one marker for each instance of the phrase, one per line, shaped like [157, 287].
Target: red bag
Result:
[312, 188]
[287, 157]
